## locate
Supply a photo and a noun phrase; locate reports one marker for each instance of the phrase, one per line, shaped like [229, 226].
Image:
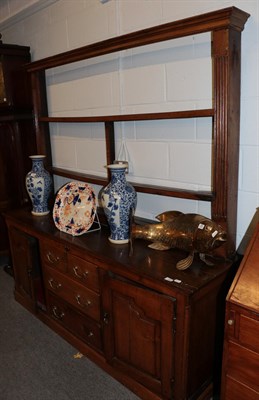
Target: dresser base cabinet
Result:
[240, 371]
[149, 325]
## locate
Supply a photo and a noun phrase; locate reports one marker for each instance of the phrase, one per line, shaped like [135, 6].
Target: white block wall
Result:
[174, 75]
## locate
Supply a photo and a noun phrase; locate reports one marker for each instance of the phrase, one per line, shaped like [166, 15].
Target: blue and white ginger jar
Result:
[39, 186]
[119, 200]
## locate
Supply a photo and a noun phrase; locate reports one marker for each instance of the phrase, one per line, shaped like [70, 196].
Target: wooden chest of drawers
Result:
[240, 372]
[72, 291]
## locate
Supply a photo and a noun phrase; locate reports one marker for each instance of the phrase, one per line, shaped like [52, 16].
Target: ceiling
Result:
[12, 11]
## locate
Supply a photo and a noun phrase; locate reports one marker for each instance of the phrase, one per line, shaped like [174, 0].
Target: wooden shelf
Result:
[225, 26]
[152, 189]
[203, 113]
[98, 180]
[174, 192]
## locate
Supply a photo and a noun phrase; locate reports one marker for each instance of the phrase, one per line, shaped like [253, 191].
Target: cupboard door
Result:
[25, 259]
[138, 333]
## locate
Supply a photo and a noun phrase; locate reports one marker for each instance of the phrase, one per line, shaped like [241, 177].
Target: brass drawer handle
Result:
[54, 285]
[79, 275]
[90, 334]
[86, 304]
[52, 258]
[58, 314]
[230, 322]
[106, 318]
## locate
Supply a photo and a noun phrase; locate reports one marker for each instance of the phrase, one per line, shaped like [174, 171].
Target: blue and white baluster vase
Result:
[39, 186]
[119, 200]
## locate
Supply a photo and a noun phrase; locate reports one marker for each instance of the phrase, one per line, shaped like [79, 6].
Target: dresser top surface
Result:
[245, 288]
[144, 264]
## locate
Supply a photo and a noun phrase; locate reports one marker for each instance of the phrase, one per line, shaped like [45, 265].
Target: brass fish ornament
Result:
[193, 233]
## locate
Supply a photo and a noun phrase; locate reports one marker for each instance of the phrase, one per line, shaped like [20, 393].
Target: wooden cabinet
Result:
[154, 328]
[17, 135]
[27, 271]
[138, 333]
[149, 325]
[15, 91]
[240, 370]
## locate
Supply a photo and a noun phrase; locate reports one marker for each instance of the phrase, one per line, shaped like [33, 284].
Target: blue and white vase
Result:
[39, 186]
[119, 200]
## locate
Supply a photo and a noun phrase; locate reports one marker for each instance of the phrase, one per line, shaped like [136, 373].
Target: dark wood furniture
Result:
[17, 135]
[147, 324]
[241, 344]
[152, 327]
[225, 27]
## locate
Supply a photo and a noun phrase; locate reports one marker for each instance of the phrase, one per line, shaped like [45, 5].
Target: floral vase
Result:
[119, 200]
[39, 186]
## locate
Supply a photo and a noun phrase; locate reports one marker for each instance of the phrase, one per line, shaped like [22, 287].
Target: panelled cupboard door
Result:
[138, 333]
[25, 260]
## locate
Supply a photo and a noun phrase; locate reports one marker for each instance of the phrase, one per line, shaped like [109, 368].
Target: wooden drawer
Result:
[83, 271]
[54, 255]
[249, 332]
[238, 391]
[81, 326]
[243, 365]
[74, 293]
